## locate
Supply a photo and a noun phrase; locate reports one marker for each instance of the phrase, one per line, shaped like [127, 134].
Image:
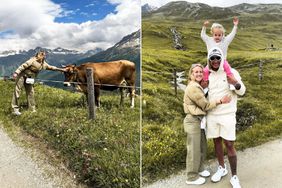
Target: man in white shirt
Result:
[221, 121]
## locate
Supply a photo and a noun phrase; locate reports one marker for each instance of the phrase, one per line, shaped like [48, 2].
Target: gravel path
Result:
[19, 168]
[258, 167]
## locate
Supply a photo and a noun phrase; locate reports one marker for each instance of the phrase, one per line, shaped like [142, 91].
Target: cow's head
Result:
[70, 72]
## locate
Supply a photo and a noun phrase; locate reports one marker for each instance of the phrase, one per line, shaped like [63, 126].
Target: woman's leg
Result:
[16, 95]
[193, 158]
[203, 150]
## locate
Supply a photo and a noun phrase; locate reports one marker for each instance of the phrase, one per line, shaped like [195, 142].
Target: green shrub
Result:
[162, 148]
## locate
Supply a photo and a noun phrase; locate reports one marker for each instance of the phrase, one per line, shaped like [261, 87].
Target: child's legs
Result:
[227, 68]
[206, 73]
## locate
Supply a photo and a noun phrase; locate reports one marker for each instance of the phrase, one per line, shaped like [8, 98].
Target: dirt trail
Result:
[258, 167]
[19, 168]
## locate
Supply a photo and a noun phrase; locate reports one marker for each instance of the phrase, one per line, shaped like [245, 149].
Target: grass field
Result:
[259, 111]
[101, 153]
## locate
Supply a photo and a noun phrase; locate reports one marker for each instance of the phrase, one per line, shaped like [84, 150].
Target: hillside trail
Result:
[22, 168]
[258, 167]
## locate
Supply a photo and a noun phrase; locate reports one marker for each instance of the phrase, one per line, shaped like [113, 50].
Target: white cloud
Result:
[219, 3]
[32, 24]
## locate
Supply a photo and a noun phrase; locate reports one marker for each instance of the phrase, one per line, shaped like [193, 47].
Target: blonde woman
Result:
[24, 77]
[195, 106]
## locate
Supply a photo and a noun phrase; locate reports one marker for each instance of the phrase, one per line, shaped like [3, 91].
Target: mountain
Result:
[7, 53]
[257, 8]
[185, 10]
[127, 48]
[148, 8]
[10, 60]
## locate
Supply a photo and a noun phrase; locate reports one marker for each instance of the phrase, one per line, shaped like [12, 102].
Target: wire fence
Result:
[260, 64]
[78, 83]
[90, 89]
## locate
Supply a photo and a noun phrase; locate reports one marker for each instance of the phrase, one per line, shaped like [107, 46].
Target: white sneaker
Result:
[198, 181]
[205, 173]
[219, 173]
[16, 112]
[235, 182]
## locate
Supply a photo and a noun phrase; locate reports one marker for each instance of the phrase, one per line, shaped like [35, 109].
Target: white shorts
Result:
[221, 126]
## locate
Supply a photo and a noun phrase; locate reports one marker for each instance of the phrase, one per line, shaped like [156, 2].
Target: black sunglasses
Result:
[212, 58]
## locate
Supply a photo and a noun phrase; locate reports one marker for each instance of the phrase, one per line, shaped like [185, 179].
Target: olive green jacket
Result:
[31, 68]
[195, 102]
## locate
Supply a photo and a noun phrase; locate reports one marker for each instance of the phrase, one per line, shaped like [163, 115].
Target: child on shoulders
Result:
[221, 41]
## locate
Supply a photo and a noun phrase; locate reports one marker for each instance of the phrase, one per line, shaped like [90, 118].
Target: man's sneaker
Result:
[235, 182]
[219, 173]
[205, 173]
[16, 112]
[198, 181]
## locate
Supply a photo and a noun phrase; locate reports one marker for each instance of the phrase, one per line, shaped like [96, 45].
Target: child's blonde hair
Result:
[219, 26]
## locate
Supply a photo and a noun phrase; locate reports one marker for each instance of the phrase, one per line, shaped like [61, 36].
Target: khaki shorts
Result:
[221, 126]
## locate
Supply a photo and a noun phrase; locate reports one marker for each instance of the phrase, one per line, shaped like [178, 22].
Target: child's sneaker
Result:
[219, 173]
[235, 182]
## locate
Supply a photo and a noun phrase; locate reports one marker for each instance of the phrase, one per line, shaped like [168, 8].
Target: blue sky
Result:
[84, 10]
[73, 24]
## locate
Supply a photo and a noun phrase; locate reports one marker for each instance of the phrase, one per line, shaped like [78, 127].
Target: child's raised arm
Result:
[203, 32]
[235, 20]
[206, 23]
[231, 35]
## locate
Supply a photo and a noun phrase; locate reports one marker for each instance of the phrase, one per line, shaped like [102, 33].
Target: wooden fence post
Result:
[90, 90]
[175, 81]
[260, 70]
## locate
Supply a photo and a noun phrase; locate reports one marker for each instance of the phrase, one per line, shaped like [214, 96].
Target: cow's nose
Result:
[67, 84]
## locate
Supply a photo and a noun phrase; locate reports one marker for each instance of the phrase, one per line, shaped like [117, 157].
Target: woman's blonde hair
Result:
[190, 75]
[41, 55]
[218, 26]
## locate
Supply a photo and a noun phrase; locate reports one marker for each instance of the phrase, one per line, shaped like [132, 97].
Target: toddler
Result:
[221, 41]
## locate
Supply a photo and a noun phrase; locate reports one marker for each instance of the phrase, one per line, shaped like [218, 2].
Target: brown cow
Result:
[107, 76]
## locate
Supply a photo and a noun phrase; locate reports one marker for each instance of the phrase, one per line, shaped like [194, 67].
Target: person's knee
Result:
[230, 148]
[217, 140]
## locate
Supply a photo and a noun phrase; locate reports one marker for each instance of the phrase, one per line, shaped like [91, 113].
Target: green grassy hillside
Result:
[259, 111]
[101, 153]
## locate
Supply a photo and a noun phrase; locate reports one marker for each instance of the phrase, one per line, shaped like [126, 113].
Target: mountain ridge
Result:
[187, 10]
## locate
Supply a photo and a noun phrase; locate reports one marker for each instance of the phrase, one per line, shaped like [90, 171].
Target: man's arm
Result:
[241, 91]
